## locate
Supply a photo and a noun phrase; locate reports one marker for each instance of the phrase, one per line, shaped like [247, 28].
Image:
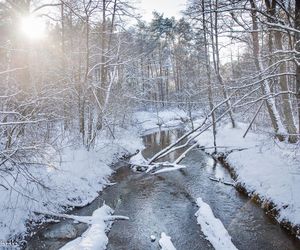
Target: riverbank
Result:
[70, 177]
[170, 201]
[77, 175]
[267, 170]
[148, 121]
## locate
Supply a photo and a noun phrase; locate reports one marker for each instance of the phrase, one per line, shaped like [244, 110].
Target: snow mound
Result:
[138, 159]
[95, 237]
[213, 228]
[166, 243]
[164, 119]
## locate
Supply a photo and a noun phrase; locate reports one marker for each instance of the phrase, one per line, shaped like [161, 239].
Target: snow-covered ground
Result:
[268, 168]
[166, 119]
[75, 176]
[71, 178]
[213, 228]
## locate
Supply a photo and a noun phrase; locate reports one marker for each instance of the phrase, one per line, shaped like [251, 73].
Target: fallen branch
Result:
[182, 156]
[83, 219]
[162, 166]
[169, 169]
[222, 181]
[127, 156]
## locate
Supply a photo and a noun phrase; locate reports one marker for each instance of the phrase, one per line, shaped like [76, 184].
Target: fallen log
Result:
[82, 219]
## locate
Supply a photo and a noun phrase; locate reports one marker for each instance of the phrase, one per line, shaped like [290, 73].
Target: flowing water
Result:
[166, 202]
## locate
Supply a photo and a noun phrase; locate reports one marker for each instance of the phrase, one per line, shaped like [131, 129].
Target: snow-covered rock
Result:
[165, 242]
[153, 238]
[95, 237]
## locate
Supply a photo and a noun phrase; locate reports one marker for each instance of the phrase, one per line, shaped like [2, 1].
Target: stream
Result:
[166, 202]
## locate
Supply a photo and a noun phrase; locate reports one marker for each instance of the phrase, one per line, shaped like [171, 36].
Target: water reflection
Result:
[159, 140]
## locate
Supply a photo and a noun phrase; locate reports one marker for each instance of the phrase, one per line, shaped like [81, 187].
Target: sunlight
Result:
[33, 28]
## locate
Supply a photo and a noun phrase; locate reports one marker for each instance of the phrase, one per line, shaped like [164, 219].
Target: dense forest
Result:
[94, 68]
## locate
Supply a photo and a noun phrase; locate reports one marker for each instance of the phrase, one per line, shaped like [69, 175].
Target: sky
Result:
[168, 7]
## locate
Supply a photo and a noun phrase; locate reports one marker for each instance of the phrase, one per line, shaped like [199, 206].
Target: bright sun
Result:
[33, 27]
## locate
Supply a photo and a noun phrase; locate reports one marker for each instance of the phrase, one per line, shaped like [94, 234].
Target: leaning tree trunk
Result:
[271, 107]
[297, 26]
[283, 80]
[286, 102]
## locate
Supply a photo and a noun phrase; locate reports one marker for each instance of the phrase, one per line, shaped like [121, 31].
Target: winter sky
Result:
[168, 7]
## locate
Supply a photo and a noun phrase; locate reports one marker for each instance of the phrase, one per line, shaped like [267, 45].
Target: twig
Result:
[222, 181]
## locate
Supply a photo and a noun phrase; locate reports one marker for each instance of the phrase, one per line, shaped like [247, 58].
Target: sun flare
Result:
[33, 27]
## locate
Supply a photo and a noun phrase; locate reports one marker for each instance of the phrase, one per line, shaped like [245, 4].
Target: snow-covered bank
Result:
[72, 177]
[213, 228]
[268, 168]
[166, 119]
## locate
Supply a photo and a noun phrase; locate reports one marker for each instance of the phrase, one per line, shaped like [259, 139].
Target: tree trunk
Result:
[272, 110]
[286, 103]
[216, 59]
[283, 80]
[297, 47]
[208, 72]
[103, 48]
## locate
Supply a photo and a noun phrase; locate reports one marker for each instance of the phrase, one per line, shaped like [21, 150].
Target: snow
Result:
[268, 167]
[70, 177]
[138, 159]
[169, 169]
[212, 227]
[74, 176]
[94, 238]
[163, 119]
[165, 242]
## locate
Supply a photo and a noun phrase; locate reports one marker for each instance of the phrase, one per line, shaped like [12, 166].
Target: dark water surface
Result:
[166, 202]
